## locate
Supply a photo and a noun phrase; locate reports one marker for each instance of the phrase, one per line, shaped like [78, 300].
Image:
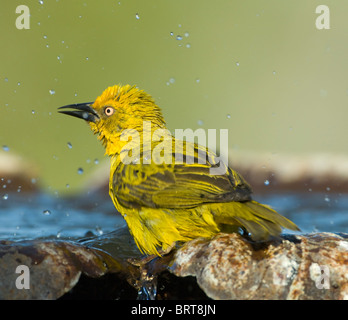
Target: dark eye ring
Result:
[109, 111]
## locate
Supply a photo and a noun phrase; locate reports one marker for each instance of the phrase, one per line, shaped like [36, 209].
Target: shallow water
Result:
[312, 212]
[46, 216]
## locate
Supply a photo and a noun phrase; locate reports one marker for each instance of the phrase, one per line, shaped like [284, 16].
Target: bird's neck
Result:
[137, 142]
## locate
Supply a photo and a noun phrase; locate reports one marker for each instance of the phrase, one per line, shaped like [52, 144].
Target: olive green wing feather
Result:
[176, 186]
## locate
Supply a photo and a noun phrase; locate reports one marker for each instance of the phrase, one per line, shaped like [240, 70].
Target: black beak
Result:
[82, 110]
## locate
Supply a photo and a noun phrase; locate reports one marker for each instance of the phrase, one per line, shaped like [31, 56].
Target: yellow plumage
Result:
[163, 198]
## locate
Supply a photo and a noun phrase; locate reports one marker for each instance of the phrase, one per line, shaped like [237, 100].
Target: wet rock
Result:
[46, 269]
[313, 266]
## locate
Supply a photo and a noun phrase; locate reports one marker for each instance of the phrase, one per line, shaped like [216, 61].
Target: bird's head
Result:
[117, 109]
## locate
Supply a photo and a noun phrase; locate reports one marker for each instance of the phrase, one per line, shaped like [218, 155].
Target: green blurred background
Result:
[259, 68]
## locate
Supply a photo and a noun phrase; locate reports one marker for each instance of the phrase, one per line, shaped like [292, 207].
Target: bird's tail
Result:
[259, 220]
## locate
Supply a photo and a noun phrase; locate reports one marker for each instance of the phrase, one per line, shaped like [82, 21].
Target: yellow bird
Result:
[168, 194]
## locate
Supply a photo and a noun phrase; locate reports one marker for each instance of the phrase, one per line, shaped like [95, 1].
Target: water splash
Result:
[148, 288]
[47, 212]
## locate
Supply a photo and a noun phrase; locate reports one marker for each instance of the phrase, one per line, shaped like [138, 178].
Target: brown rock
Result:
[54, 267]
[313, 266]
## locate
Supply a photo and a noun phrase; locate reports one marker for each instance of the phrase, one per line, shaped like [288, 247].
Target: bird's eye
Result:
[109, 111]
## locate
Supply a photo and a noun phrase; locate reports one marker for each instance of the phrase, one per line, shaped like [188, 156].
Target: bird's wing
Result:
[175, 185]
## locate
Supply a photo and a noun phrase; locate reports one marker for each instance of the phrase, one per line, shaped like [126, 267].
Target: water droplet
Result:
[47, 212]
[52, 92]
[87, 58]
[188, 45]
[33, 180]
[45, 37]
[67, 185]
[274, 72]
[237, 64]
[328, 188]
[136, 160]
[171, 80]
[266, 182]
[186, 34]
[69, 145]
[327, 199]
[172, 33]
[5, 196]
[96, 161]
[178, 37]
[198, 80]
[137, 16]
[58, 234]
[99, 230]
[18, 83]
[5, 148]
[200, 122]
[6, 79]
[33, 111]
[80, 171]
[228, 116]
[41, 1]
[85, 115]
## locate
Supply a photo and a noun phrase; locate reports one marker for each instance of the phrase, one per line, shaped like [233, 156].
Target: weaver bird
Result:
[170, 201]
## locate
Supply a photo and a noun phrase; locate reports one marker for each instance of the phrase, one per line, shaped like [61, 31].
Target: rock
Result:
[228, 266]
[52, 267]
[313, 266]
